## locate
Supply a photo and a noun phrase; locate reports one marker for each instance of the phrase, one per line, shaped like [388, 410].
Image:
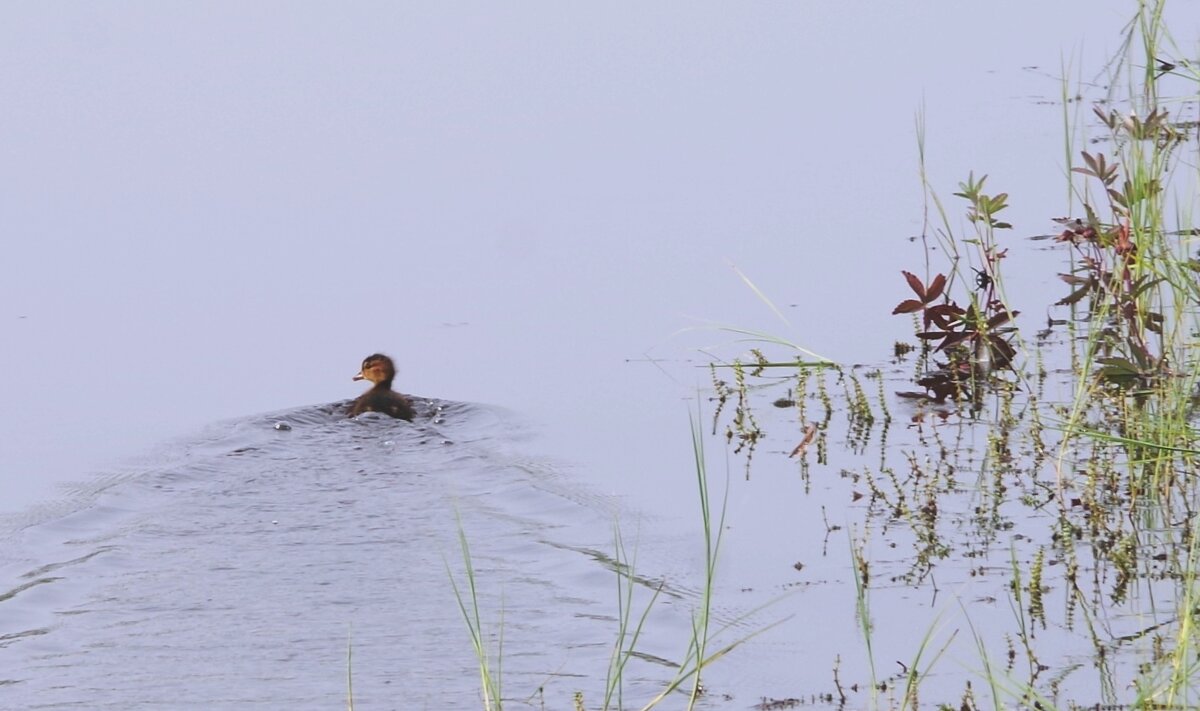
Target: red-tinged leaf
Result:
[915, 284]
[908, 306]
[1002, 225]
[1084, 171]
[1075, 280]
[1074, 297]
[942, 391]
[947, 310]
[809, 432]
[1001, 317]
[935, 288]
[932, 335]
[941, 322]
[1002, 352]
[934, 379]
[954, 340]
[944, 316]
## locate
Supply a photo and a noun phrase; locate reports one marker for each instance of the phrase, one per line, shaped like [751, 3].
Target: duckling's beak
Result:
[360, 376]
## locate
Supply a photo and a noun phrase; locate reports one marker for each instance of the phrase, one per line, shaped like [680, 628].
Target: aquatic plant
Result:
[977, 340]
[468, 604]
[349, 674]
[699, 652]
[1093, 496]
[1084, 503]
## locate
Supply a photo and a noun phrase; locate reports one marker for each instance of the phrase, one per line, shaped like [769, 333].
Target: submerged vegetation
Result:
[702, 648]
[1062, 462]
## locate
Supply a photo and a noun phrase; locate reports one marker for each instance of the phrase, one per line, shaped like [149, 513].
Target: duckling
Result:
[380, 370]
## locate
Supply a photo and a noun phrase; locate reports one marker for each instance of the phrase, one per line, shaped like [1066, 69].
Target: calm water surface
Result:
[237, 574]
[216, 212]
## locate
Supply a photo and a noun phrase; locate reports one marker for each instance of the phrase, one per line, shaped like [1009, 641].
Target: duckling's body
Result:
[380, 370]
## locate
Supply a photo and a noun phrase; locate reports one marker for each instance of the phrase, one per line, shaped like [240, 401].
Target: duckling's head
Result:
[377, 368]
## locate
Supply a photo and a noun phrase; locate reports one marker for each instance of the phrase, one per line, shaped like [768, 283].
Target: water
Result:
[230, 227]
[238, 575]
[218, 213]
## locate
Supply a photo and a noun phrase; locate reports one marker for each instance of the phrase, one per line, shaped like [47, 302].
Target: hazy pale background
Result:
[215, 209]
